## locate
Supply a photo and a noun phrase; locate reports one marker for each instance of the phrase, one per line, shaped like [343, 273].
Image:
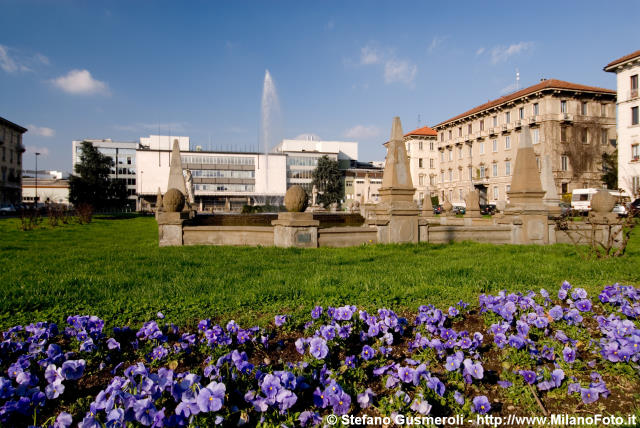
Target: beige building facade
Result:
[422, 151]
[573, 124]
[11, 150]
[627, 70]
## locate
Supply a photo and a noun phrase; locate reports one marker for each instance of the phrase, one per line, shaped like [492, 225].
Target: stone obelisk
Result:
[397, 214]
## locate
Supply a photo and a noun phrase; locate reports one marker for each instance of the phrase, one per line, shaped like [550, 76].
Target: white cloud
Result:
[369, 55]
[480, 51]
[435, 42]
[503, 53]
[33, 150]
[362, 132]
[41, 58]
[41, 131]
[80, 82]
[399, 71]
[6, 62]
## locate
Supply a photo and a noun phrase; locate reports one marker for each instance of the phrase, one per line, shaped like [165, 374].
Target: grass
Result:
[113, 268]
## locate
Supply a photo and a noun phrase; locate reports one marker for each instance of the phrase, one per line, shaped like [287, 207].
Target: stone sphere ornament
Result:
[173, 201]
[602, 202]
[296, 199]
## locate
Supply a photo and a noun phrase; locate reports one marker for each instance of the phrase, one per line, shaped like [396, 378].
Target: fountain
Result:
[270, 127]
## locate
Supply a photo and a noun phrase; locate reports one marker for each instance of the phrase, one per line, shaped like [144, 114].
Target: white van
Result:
[581, 198]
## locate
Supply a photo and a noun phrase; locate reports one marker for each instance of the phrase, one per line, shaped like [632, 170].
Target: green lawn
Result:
[115, 269]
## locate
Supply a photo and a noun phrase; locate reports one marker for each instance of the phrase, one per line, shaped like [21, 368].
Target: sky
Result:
[342, 70]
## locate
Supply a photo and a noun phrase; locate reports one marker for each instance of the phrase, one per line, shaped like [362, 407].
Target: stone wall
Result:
[228, 235]
[347, 236]
[494, 234]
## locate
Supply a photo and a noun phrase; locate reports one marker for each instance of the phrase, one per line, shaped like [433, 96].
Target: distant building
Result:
[11, 161]
[123, 154]
[571, 123]
[362, 183]
[51, 190]
[422, 150]
[238, 177]
[303, 154]
[627, 70]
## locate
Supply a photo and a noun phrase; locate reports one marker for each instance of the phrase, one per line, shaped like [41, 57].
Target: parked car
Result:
[7, 209]
[458, 209]
[488, 209]
[634, 207]
[620, 209]
[437, 209]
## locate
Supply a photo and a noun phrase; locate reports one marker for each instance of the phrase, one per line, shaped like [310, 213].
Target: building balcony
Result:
[505, 128]
[566, 117]
[534, 120]
[517, 124]
[493, 131]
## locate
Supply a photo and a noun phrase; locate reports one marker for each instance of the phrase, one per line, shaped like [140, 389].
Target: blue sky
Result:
[126, 69]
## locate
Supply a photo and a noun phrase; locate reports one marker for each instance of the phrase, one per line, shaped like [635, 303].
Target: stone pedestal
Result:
[293, 229]
[397, 220]
[170, 228]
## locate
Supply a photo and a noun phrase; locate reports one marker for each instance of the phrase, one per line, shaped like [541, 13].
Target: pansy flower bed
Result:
[519, 353]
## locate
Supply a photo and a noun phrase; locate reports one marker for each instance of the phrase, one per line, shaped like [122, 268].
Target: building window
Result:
[470, 151]
[508, 188]
[442, 177]
[431, 145]
[495, 121]
[442, 136]
[563, 106]
[470, 173]
[495, 170]
[421, 180]
[564, 188]
[507, 168]
[460, 131]
[460, 152]
[536, 109]
[450, 154]
[584, 136]
[430, 163]
[469, 129]
[420, 145]
[450, 195]
[482, 171]
[507, 142]
[563, 134]
[507, 117]
[482, 125]
[603, 109]
[583, 109]
[460, 194]
[432, 180]
[634, 115]
[521, 113]
[482, 147]
[634, 86]
[604, 135]
[449, 134]
[450, 175]
[538, 162]
[635, 152]
[536, 136]
[420, 163]
[495, 193]
[564, 161]
[635, 184]
[495, 146]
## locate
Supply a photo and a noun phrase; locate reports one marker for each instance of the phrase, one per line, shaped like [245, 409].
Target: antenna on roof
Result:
[517, 79]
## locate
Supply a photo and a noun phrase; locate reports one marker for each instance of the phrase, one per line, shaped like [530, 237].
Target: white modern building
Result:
[236, 178]
[303, 154]
[123, 154]
[627, 70]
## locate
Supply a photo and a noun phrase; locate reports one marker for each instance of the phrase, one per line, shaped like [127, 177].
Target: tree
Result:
[91, 184]
[328, 179]
[610, 169]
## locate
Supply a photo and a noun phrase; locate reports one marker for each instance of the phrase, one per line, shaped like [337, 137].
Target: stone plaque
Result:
[303, 238]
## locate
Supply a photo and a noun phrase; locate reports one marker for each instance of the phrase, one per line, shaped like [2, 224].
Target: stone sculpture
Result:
[296, 199]
[173, 201]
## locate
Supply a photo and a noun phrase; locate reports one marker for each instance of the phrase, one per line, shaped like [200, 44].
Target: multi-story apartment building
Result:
[123, 154]
[362, 182]
[422, 151]
[11, 150]
[627, 70]
[573, 124]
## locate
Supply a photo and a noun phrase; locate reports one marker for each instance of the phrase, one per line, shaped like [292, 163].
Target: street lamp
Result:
[36, 198]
